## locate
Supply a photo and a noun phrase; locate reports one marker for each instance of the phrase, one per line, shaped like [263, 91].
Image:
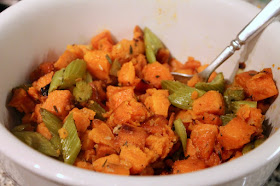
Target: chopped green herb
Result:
[108, 59]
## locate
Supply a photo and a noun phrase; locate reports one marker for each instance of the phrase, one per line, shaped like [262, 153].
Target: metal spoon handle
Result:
[257, 24]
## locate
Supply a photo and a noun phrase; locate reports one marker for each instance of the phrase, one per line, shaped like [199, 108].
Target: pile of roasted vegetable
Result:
[114, 107]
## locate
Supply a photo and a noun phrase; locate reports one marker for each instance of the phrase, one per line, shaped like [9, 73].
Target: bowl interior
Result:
[197, 28]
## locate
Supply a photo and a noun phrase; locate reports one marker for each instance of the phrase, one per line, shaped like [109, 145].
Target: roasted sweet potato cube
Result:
[161, 145]
[65, 59]
[189, 165]
[157, 101]
[261, 85]
[252, 116]
[126, 75]
[235, 134]
[42, 129]
[131, 112]
[104, 150]
[95, 41]
[154, 73]
[134, 155]
[82, 118]
[117, 95]
[43, 81]
[87, 143]
[242, 78]
[21, 101]
[131, 135]
[203, 138]
[102, 134]
[211, 102]
[98, 64]
[59, 103]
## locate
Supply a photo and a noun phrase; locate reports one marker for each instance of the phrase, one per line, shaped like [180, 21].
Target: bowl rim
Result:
[54, 170]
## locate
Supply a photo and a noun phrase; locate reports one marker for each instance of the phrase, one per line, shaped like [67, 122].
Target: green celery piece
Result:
[172, 86]
[248, 147]
[88, 77]
[218, 84]
[75, 70]
[99, 111]
[116, 66]
[56, 80]
[71, 145]
[181, 98]
[82, 92]
[182, 133]
[37, 142]
[53, 123]
[152, 45]
[227, 118]
[22, 127]
[258, 142]
[236, 105]
[234, 94]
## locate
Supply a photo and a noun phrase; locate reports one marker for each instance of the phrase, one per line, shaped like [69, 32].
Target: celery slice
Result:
[22, 127]
[71, 145]
[152, 45]
[82, 92]
[99, 111]
[236, 105]
[182, 133]
[75, 70]
[248, 147]
[88, 77]
[53, 123]
[172, 86]
[217, 84]
[56, 80]
[258, 142]
[37, 142]
[181, 98]
[227, 118]
[234, 94]
[116, 66]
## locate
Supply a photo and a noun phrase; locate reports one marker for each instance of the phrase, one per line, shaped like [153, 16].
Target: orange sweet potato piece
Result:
[189, 165]
[211, 102]
[192, 63]
[131, 112]
[154, 73]
[105, 45]
[125, 50]
[261, 85]
[194, 80]
[242, 78]
[203, 138]
[157, 101]
[134, 155]
[210, 119]
[82, 118]
[138, 33]
[42, 129]
[175, 65]
[79, 50]
[252, 116]
[161, 145]
[44, 68]
[59, 107]
[102, 134]
[163, 55]
[87, 143]
[191, 150]
[235, 134]
[158, 125]
[89, 155]
[83, 165]
[126, 75]
[213, 160]
[131, 135]
[21, 101]
[43, 81]
[104, 150]
[98, 64]
[105, 35]
[139, 63]
[110, 164]
[117, 95]
[65, 59]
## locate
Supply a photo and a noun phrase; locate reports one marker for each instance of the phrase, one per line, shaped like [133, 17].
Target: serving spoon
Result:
[253, 28]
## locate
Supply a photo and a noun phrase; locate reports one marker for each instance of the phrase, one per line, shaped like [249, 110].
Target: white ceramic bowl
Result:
[33, 31]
